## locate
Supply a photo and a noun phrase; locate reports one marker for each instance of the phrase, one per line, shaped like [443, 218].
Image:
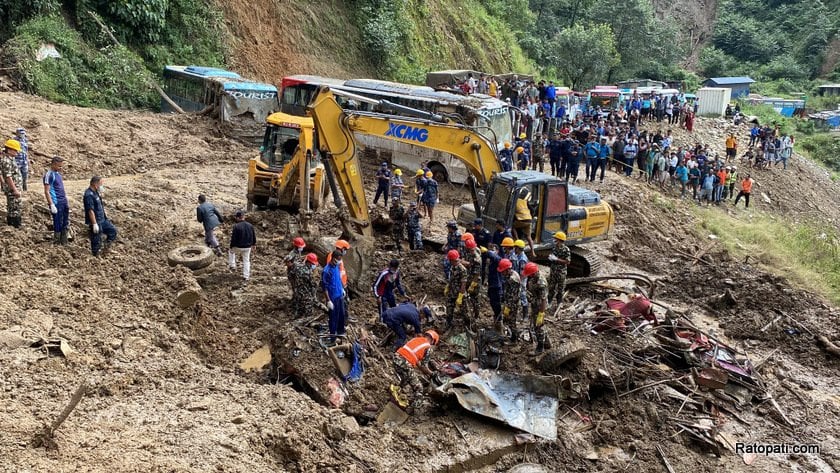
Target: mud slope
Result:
[167, 395]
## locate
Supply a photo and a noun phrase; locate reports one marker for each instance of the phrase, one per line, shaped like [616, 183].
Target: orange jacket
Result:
[340, 268]
[731, 143]
[746, 185]
[415, 350]
[722, 176]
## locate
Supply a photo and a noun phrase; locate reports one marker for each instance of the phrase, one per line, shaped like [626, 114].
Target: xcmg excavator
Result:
[554, 204]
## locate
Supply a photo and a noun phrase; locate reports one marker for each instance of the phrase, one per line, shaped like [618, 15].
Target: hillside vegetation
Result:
[788, 46]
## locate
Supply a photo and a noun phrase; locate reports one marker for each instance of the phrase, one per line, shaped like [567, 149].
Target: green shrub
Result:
[111, 77]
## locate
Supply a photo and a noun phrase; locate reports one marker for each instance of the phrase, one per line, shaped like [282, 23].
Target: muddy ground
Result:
[166, 393]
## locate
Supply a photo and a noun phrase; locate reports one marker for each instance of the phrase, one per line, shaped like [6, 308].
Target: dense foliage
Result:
[92, 70]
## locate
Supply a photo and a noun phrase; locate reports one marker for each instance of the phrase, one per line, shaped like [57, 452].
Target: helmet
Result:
[529, 269]
[519, 244]
[13, 144]
[522, 136]
[429, 174]
[342, 244]
[471, 244]
[298, 242]
[508, 242]
[312, 258]
[504, 265]
[453, 255]
[427, 312]
[734, 168]
[507, 144]
[419, 173]
[434, 336]
[467, 237]
[520, 149]
[398, 172]
[560, 236]
[451, 224]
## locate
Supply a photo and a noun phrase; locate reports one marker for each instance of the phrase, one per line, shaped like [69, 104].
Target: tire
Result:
[191, 256]
[567, 356]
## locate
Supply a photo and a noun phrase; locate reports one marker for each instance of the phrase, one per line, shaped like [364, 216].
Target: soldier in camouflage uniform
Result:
[559, 259]
[456, 287]
[304, 297]
[536, 289]
[511, 301]
[472, 258]
[415, 235]
[12, 182]
[397, 215]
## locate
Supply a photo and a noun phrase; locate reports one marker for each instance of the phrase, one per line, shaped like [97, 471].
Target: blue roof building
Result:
[740, 85]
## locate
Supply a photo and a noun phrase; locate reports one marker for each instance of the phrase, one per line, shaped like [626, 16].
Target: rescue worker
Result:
[506, 158]
[512, 288]
[397, 185]
[419, 186]
[746, 189]
[453, 242]
[559, 260]
[386, 283]
[507, 248]
[397, 216]
[430, 195]
[523, 221]
[494, 281]
[536, 289]
[22, 159]
[525, 144]
[415, 235]
[519, 261]
[415, 355]
[456, 288]
[731, 179]
[465, 237]
[396, 318]
[209, 216]
[521, 158]
[12, 182]
[482, 239]
[343, 247]
[334, 294]
[472, 259]
[304, 290]
[57, 200]
[292, 261]
[383, 179]
[97, 221]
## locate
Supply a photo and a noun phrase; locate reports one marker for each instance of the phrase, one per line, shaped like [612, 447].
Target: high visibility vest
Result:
[415, 350]
[746, 185]
[340, 269]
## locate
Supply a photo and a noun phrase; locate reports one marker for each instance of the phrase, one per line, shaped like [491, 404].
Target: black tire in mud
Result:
[565, 356]
[191, 256]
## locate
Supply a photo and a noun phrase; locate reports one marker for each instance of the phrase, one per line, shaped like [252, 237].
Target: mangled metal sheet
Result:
[528, 403]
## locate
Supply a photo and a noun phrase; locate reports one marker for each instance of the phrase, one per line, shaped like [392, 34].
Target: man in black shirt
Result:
[242, 240]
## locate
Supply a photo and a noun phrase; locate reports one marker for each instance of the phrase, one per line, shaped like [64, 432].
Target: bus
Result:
[488, 115]
[241, 104]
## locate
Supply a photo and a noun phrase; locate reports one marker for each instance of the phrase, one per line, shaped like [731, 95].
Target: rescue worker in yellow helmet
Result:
[11, 181]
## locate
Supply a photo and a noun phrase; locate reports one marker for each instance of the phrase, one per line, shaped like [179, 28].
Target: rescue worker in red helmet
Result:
[472, 260]
[415, 355]
[456, 288]
[305, 288]
[511, 301]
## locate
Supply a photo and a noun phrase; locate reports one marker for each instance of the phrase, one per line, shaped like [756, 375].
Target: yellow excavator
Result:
[555, 205]
[288, 172]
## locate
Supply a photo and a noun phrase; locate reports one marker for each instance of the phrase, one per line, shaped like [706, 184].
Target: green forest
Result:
[788, 46]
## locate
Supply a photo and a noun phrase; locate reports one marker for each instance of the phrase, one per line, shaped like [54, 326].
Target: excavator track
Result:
[584, 263]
